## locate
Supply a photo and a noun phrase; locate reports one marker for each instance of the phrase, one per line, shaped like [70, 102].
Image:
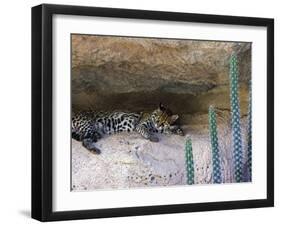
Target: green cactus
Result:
[235, 120]
[189, 162]
[249, 135]
[215, 146]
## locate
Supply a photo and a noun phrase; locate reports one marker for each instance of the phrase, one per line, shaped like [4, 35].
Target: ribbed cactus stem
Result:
[249, 135]
[189, 162]
[235, 120]
[215, 146]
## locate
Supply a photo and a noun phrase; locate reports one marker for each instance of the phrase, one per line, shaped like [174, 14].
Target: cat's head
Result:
[163, 117]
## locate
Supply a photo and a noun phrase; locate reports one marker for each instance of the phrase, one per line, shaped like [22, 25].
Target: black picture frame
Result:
[42, 111]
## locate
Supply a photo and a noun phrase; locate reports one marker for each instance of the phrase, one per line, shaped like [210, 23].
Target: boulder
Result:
[128, 160]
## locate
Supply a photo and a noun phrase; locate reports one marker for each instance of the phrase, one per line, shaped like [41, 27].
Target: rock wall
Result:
[137, 73]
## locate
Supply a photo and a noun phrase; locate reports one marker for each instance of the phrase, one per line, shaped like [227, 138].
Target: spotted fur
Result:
[89, 126]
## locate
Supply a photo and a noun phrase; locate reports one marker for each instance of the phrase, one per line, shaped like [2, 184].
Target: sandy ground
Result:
[128, 160]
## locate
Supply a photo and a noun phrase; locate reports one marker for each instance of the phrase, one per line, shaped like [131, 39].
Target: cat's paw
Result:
[168, 132]
[95, 151]
[154, 139]
[90, 145]
[180, 132]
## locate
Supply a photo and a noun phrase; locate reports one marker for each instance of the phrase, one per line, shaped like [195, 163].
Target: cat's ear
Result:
[161, 106]
[174, 118]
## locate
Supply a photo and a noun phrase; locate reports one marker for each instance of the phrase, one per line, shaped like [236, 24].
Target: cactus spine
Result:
[189, 162]
[235, 119]
[215, 147]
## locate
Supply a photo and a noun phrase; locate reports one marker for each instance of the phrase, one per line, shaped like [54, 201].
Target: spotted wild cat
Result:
[89, 126]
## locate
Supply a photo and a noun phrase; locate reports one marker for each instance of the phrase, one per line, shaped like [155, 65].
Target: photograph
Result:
[140, 112]
[154, 112]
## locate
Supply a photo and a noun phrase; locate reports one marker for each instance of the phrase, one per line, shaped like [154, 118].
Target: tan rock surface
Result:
[136, 74]
[128, 160]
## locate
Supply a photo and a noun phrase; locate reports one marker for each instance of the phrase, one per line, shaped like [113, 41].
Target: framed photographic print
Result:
[145, 112]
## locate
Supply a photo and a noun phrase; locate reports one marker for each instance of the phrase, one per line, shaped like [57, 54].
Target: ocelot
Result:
[88, 126]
